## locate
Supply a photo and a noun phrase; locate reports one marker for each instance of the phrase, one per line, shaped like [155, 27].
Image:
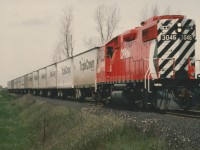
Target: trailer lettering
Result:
[66, 70]
[43, 76]
[52, 73]
[86, 65]
[30, 78]
[35, 77]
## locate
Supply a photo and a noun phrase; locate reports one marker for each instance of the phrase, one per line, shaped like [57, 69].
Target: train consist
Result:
[154, 65]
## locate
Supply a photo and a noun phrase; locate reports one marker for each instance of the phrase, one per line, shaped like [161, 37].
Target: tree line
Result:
[106, 17]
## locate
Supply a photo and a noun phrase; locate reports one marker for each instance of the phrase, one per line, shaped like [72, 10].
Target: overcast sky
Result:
[29, 29]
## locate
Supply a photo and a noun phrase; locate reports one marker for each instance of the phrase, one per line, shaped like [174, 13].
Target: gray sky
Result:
[29, 29]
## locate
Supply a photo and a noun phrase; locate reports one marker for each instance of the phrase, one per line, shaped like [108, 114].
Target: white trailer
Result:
[12, 84]
[65, 80]
[18, 83]
[43, 78]
[51, 72]
[85, 69]
[65, 74]
[85, 65]
[15, 83]
[35, 82]
[21, 85]
[9, 85]
[30, 80]
[26, 83]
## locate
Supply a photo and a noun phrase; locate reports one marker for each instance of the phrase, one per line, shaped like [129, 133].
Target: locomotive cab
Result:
[151, 64]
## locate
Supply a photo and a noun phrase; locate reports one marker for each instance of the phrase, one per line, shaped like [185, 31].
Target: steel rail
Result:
[183, 113]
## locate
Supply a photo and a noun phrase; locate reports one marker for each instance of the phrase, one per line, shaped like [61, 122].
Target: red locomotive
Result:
[151, 64]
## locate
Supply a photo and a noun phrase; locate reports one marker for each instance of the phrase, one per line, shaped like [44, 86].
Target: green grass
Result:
[13, 136]
[30, 124]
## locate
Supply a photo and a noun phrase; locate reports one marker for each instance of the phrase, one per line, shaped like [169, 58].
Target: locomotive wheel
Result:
[166, 99]
[162, 100]
[60, 94]
[183, 97]
[77, 96]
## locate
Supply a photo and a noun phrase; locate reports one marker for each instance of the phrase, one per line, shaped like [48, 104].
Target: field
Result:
[26, 123]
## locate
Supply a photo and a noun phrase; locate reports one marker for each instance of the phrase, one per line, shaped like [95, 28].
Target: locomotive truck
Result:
[153, 65]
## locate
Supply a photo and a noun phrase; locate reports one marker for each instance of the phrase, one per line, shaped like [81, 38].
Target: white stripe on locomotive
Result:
[173, 46]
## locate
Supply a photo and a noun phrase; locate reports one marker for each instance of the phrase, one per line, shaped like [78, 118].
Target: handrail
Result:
[147, 76]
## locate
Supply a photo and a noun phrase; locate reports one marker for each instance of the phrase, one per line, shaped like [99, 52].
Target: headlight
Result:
[179, 30]
[179, 24]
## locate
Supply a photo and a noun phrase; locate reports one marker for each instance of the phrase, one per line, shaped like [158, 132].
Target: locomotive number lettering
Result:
[186, 37]
[167, 37]
[173, 37]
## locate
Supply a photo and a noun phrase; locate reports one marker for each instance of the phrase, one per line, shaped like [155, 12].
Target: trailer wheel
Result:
[61, 94]
[80, 95]
[58, 94]
[49, 93]
[76, 94]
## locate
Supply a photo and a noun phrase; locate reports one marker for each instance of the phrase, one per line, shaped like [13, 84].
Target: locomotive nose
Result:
[176, 48]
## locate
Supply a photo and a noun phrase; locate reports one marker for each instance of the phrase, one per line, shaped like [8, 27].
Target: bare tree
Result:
[91, 42]
[144, 13]
[107, 18]
[65, 46]
[58, 55]
[167, 10]
[66, 32]
[154, 10]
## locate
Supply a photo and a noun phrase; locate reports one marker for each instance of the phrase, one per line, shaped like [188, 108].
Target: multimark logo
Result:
[35, 77]
[86, 65]
[52, 73]
[43, 76]
[30, 78]
[125, 53]
[66, 70]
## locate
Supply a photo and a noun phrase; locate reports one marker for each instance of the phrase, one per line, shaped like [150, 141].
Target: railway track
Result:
[180, 113]
[183, 113]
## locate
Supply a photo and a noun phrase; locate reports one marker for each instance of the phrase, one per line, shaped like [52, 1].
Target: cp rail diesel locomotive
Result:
[155, 64]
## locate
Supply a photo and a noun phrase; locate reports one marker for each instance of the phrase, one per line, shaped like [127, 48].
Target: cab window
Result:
[109, 51]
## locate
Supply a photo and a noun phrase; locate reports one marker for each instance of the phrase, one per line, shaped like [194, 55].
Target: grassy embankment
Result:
[29, 124]
[12, 133]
